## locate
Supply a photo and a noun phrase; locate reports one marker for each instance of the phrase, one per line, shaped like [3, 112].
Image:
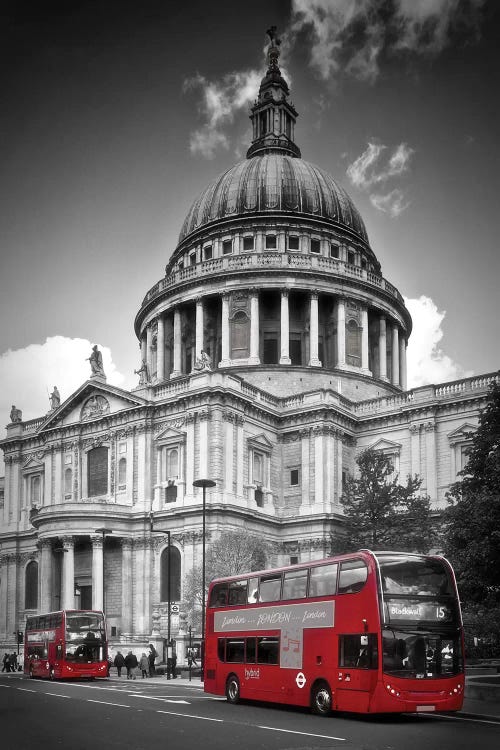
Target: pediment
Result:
[34, 461]
[260, 441]
[92, 401]
[463, 433]
[386, 446]
[170, 435]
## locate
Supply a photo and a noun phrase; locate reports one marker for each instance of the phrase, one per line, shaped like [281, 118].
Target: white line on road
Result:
[459, 718]
[306, 734]
[154, 698]
[189, 716]
[27, 690]
[107, 703]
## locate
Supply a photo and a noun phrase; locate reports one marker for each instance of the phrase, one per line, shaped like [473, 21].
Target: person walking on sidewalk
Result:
[131, 664]
[119, 662]
[144, 665]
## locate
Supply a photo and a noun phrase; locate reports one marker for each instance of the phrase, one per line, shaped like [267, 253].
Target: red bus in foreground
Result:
[69, 644]
[370, 632]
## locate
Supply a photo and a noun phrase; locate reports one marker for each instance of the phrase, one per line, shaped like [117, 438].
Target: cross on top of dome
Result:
[273, 116]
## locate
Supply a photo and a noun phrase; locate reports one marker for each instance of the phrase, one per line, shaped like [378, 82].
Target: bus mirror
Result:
[363, 640]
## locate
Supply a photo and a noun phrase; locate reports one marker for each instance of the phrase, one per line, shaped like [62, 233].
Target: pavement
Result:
[482, 691]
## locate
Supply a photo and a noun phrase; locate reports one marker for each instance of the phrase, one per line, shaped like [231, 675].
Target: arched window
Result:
[97, 465]
[240, 335]
[173, 464]
[353, 343]
[31, 586]
[122, 473]
[175, 575]
[68, 484]
[35, 490]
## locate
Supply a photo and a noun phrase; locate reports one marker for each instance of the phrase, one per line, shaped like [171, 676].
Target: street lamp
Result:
[103, 530]
[159, 531]
[204, 483]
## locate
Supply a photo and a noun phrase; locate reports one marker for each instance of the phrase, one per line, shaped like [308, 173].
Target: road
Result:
[151, 714]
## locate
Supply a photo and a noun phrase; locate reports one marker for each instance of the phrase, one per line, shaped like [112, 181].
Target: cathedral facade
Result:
[273, 351]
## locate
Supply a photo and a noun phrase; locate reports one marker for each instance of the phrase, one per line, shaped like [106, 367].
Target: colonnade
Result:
[391, 337]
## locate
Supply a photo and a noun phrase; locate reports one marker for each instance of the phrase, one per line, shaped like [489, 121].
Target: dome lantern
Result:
[273, 116]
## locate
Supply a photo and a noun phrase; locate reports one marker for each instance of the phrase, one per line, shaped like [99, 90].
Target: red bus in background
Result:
[370, 632]
[69, 644]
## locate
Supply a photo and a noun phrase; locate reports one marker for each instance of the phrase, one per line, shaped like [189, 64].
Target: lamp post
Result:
[204, 483]
[103, 530]
[169, 595]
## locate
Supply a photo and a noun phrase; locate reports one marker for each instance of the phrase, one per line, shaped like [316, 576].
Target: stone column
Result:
[305, 465]
[160, 349]
[199, 345]
[203, 421]
[319, 463]
[45, 575]
[364, 340]
[340, 332]
[254, 328]
[239, 455]
[126, 585]
[382, 348]
[149, 347]
[285, 329]
[395, 355]
[430, 462]
[340, 488]
[144, 349]
[68, 573]
[225, 361]
[402, 362]
[97, 571]
[189, 453]
[313, 331]
[177, 344]
[229, 451]
[415, 448]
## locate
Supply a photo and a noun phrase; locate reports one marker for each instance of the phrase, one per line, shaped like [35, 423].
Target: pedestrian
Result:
[174, 664]
[119, 662]
[144, 665]
[131, 664]
[151, 659]
[6, 663]
[13, 662]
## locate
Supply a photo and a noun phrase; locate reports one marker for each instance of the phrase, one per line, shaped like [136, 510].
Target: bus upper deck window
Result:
[218, 595]
[323, 581]
[352, 577]
[270, 588]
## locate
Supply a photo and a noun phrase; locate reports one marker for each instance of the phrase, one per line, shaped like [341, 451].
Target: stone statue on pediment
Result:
[143, 373]
[96, 363]
[203, 361]
[55, 398]
[16, 414]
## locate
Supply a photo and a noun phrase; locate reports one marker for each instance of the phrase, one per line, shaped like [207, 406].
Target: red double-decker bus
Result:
[370, 632]
[69, 644]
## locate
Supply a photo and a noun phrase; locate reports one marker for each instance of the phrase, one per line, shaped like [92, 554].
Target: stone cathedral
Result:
[273, 350]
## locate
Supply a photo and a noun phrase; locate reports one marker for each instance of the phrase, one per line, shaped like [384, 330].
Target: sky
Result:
[115, 115]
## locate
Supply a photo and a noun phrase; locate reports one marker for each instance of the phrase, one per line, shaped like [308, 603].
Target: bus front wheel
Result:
[321, 699]
[233, 689]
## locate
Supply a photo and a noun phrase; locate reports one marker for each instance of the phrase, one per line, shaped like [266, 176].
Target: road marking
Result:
[154, 698]
[306, 734]
[7, 686]
[27, 690]
[107, 703]
[460, 718]
[189, 716]
[57, 695]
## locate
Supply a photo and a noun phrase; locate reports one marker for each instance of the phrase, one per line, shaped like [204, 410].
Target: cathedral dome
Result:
[269, 182]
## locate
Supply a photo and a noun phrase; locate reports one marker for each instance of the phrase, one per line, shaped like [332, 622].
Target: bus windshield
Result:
[85, 637]
[421, 628]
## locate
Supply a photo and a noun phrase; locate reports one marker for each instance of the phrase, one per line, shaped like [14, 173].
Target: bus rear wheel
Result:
[233, 689]
[321, 699]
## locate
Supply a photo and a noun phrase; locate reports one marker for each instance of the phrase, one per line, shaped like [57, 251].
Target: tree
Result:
[232, 553]
[471, 534]
[380, 513]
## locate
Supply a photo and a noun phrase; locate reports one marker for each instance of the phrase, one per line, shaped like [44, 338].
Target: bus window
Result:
[294, 584]
[358, 651]
[221, 649]
[218, 595]
[253, 590]
[270, 588]
[422, 577]
[250, 651]
[323, 580]
[352, 577]
[235, 650]
[268, 650]
[238, 592]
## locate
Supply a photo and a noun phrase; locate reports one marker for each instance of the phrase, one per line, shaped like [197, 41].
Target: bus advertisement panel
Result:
[370, 632]
[69, 644]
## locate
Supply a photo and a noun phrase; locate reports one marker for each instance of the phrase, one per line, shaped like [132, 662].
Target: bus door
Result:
[357, 671]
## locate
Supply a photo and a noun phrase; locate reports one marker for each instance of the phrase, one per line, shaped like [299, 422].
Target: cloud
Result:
[220, 101]
[372, 168]
[426, 362]
[351, 35]
[28, 375]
